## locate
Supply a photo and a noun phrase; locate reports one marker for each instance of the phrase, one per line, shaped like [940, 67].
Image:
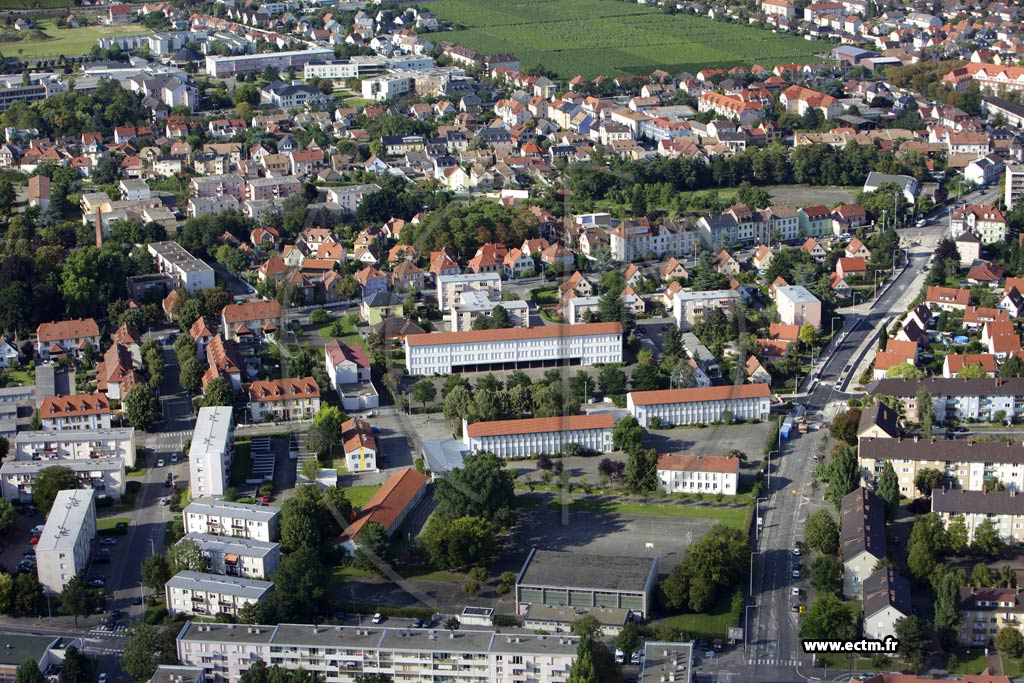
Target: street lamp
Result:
[832, 325]
[877, 271]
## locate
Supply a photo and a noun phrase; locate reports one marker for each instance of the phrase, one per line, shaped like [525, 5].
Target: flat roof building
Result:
[540, 435]
[104, 475]
[77, 444]
[66, 542]
[556, 578]
[190, 272]
[210, 594]
[667, 662]
[242, 557]
[220, 67]
[239, 520]
[209, 456]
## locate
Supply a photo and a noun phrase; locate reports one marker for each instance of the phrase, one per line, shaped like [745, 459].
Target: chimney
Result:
[99, 228]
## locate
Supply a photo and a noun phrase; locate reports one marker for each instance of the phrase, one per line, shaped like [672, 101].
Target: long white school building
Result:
[542, 435]
[700, 406]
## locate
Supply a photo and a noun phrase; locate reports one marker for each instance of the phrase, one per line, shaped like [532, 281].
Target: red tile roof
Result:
[75, 404]
[283, 389]
[67, 329]
[699, 463]
[541, 424]
[544, 332]
[251, 310]
[389, 502]
[733, 391]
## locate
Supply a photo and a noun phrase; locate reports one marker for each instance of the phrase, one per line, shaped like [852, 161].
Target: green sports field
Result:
[611, 37]
[70, 42]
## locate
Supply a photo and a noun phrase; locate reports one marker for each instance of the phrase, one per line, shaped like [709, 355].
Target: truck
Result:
[786, 428]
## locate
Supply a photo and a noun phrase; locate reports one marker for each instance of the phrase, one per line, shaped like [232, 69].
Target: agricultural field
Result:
[34, 4]
[63, 41]
[611, 37]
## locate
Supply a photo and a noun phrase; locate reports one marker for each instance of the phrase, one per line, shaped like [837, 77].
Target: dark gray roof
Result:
[957, 501]
[968, 236]
[595, 572]
[886, 588]
[863, 524]
[941, 386]
[384, 299]
[882, 416]
[953, 450]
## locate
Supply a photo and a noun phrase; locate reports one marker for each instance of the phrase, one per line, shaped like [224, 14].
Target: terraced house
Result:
[284, 399]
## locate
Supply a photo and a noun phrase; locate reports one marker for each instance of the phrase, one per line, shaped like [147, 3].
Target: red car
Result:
[34, 541]
[265, 499]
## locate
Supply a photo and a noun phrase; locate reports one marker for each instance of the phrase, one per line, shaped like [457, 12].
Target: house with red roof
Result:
[251, 320]
[67, 338]
[284, 399]
[389, 506]
[77, 411]
[698, 474]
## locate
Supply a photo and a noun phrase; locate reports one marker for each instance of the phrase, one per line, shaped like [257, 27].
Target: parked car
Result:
[378, 618]
[160, 462]
[108, 540]
[174, 457]
[165, 501]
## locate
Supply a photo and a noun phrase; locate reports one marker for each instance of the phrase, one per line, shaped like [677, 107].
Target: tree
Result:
[628, 640]
[49, 482]
[218, 393]
[6, 594]
[642, 470]
[915, 637]
[888, 490]
[927, 479]
[373, 547]
[927, 541]
[76, 666]
[981, 575]
[156, 571]
[482, 487]
[925, 412]
[844, 426]
[77, 600]
[256, 673]
[147, 648]
[612, 381]
[627, 434]
[1010, 642]
[713, 565]
[28, 672]
[140, 407]
[190, 373]
[300, 583]
[300, 524]
[808, 335]
[27, 595]
[325, 432]
[1012, 368]
[827, 574]
[986, 539]
[584, 668]
[424, 391]
[647, 377]
[821, 532]
[613, 469]
[828, 619]
[956, 535]
[843, 474]
[459, 543]
[185, 555]
[904, 371]
[947, 609]
[972, 371]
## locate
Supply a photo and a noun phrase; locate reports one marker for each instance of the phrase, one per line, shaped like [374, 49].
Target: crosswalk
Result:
[118, 630]
[768, 661]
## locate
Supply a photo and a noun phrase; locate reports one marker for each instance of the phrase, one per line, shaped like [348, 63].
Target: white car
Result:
[165, 501]
[174, 457]
[796, 592]
[102, 678]
[378, 618]
[160, 462]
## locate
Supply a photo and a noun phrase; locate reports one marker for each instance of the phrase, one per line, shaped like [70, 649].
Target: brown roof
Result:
[958, 361]
[544, 332]
[733, 391]
[389, 502]
[784, 332]
[356, 434]
[67, 329]
[283, 389]
[541, 424]
[200, 329]
[75, 404]
[251, 310]
[863, 523]
[699, 463]
[948, 295]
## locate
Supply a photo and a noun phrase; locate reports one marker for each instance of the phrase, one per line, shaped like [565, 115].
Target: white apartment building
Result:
[205, 206]
[284, 399]
[211, 594]
[960, 399]
[66, 542]
[1014, 186]
[366, 66]
[700, 406]
[75, 412]
[244, 557]
[474, 305]
[699, 474]
[986, 221]
[540, 435]
[79, 444]
[638, 239]
[446, 352]
[221, 67]
[797, 306]
[191, 273]
[104, 475]
[220, 185]
[221, 518]
[339, 654]
[450, 288]
[350, 197]
[209, 456]
[967, 464]
[1004, 509]
[388, 86]
[689, 307]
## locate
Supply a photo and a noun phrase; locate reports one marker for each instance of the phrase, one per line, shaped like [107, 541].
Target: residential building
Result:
[540, 435]
[105, 475]
[243, 557]
[1013, 188]
[675, 407]
[797, 306]
[985, 221]
[1003, 509]
[862, 538]
[222, 67]
[211, 451]
[955, 363]
[549, 577]
[284, 399]
[67, 337]
[251, 320]
[886, 600]
[451, 287]
[78, 444]
[240, 520]
[699, 474]
[189, 272]
[65, 546]
[207, 595]
[948, 298]
[985, 611]
[959, 399]
[389, 506]
[47, 651]
[473, 305]
[78, 411]
[346, 364]
[447, 352]
[359, 445]
[689, 307]
[350, 197]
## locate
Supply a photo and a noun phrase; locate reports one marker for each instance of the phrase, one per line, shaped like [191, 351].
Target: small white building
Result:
[209, 456]
[239, 520]
[359, 445]
[674, 407]
[65, 545]
[244, 557]
[540, 435]
[699, 474]
[797, 306]
[190, 272]
[210, 594]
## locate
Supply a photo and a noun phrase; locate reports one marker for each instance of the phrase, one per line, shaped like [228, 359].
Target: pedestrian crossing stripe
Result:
[772, 662]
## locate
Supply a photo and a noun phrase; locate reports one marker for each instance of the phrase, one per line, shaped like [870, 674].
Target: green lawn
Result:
[527, 502]
[65, 41]
[241, 463]
[34, 4]
[1011, 667]
[22, 377]
[351, 336]
[140, 467]
[967, 662]
[712, 625]
[610, 37]
[734, 517]
[360, 495]
[108, 523]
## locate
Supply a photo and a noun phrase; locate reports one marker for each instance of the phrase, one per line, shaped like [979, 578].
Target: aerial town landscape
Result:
[457, 341]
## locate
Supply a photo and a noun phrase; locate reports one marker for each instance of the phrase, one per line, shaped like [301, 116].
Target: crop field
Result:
[34, 4]
[611, 37]
[64, 41]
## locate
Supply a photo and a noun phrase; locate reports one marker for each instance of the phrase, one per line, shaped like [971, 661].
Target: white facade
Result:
[247, 558]
[79, 444]
[700, 406]
[105, 475]
[447, 352]
[699, 474]
[66, 542]
[221, 518]
[1013, 188]
[388, 86]
[191, 273]
[797, 306]
[209, 456]
[689, 307]
[211, 594]
[450, 288]
[350, 197]
[536, 436]
[220, 67]
[476, 304]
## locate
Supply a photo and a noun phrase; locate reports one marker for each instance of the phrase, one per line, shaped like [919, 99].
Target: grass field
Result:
[734, 517]
[66, 41]
[34, 4]
[360, 495]
[610, 37]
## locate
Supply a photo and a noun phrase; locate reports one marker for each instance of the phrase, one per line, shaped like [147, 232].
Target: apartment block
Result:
[450, 288]
[981, 399]
[78, 444]
[67, 337]
[985, 611]
[242, 557]
[1014, 185]
[104, 475]
[221, 518]
[862, 538]
[1004, 509]
[540, 435]
[700, 406]
[797, 306]
[75, 412]
[209, 456]
[189, 272]
[211, 594]
[688, 308]
[66, 542]
[221, 67]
